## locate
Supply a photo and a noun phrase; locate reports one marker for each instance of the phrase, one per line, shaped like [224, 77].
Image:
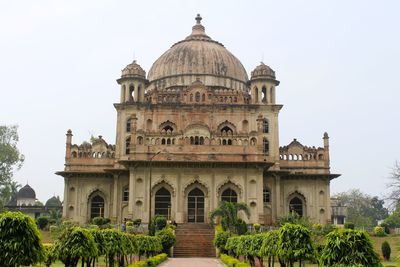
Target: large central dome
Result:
[198, 57]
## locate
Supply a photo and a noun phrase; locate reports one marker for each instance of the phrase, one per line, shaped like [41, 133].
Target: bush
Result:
[150, 262]
[100, 221]
[386, 227]
[294, 218]
[347, 247]
[379, 231]
[42, 222]
[130, 229]
[148, 245]
[386, 250]
[220, 240]
[75, 243]
[49, 256]
[232, 262]
[349, 225]
[167, 239]
[241, 227]
[257, 227]
[20, 240]
[137, 222]
[157, 223]
[129, 223]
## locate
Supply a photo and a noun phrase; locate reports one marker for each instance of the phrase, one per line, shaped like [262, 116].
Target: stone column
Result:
[65, 205]
[115, 199]
[279, 211]
[131, 192]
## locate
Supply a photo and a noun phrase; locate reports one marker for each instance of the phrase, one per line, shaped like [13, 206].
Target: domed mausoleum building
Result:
[192, 133]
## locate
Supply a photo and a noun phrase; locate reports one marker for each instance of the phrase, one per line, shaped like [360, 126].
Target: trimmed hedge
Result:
[232, 262]
[151, 262]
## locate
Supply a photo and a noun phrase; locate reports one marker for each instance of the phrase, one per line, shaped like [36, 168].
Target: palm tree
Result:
[228, 212]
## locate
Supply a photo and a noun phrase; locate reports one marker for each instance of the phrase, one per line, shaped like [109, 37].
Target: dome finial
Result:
[198, 19]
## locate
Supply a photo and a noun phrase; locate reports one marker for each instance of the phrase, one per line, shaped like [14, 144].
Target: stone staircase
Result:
[194, 240]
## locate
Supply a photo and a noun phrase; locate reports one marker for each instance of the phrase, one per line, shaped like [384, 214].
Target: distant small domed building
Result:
[192, 133]
[25, 201]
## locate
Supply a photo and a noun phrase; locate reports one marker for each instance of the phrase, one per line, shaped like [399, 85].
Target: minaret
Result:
[132, 81]
[262, 85]
[326, 148]
[68, 145]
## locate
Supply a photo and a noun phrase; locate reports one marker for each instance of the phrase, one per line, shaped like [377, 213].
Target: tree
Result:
[294, 244]
[347, 247]
[75, 244]
[10, 160]
[20, 240]
[394, 186]
[362, 209]
[228, 212]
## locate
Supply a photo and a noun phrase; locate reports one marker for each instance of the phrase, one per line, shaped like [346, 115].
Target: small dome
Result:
[26, 192]
[263, 71]
[133, 70]
[53, 202]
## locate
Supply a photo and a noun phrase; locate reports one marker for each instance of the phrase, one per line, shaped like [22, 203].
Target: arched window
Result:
[197, 97]
[266, 196]
[245, 126]
[229, 142]
[74, 154]
[192, 140]
[131, 93]
[196, 140]
[253, 141]
[265, 146]
[203, 98]
[191, 97]
[140, 140]
[224, 142]
[256, 95]
[127, 145]
[125, 194]
[227, 130]
[149, 124]
[229, 195]
[264, 94]
[162, 202]
[296, 205]
[265, 126]
[139, 93]
[163, 141]
[168, 129]
[96, 207]
[168, 141]
[201, 140]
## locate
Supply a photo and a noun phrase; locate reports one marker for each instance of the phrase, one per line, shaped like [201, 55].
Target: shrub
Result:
[294, 218]
[347, 247]
[130, 229]
[295, 244]
[385, 227]
[157, 223]
[257, 227]
[148, 245]
[129, 223]
[42, 222]
[241, 227]
[386, 250]
[269, 246]
[116, 244]
[49, 255]
[349, 225]
[167, 239]
[20, 240]
[379, 231]
[232, 262]
[150, 262]
[101, 222]
[220, 240]
[137, 222]
[75, 243]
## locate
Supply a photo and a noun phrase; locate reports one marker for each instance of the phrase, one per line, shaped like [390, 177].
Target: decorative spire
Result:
[198, 19]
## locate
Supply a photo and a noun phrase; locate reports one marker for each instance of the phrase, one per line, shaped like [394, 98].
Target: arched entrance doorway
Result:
[162, 202]
[296, 205]
[196, 206]
[96, 207]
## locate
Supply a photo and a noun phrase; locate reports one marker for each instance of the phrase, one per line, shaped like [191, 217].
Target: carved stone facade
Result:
[194, 132]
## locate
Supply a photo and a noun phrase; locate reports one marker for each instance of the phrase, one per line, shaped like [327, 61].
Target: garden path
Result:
[192, 262]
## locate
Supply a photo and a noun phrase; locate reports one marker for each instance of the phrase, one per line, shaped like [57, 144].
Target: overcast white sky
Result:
[338, 63]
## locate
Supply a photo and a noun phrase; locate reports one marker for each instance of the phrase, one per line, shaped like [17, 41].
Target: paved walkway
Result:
[192, 262]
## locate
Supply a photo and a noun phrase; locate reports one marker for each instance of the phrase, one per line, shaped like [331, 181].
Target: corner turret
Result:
[262, 85]
[132, 81]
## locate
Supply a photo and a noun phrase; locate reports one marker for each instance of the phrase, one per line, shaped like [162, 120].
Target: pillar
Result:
[65, 202]
[131, 192]
[114, 213]
[277, 194]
